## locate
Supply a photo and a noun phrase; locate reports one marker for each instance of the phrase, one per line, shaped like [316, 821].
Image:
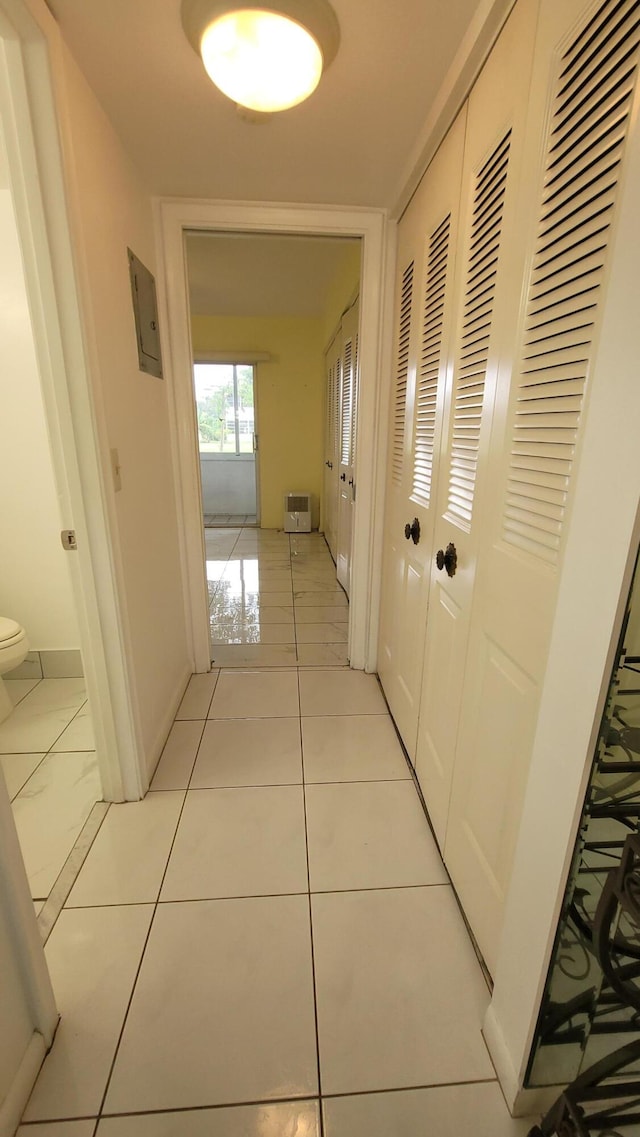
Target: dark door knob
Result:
[329, 464]
[447, 559]
[343, 477]
[412, 531]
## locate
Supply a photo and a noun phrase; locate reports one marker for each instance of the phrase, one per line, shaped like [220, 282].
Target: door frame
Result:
[35, 133]
[173, 218]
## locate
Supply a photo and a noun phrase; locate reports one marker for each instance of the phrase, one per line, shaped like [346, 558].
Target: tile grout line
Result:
[313, 959]
[156, 905]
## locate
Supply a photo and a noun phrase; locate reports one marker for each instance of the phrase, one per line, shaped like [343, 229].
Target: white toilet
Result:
[14, 646]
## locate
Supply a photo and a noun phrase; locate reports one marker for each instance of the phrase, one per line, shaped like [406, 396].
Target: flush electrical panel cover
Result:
[145, 310]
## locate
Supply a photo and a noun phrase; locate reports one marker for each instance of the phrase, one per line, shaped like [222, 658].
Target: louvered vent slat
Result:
[588, 130]
[337, 372]
[354, 403]
[431, 348]
[482, 266]
[327, 411]
[347, 392]
[402, 371]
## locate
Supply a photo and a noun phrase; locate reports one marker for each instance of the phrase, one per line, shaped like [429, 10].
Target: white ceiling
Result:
[349, 144]
[260, 275]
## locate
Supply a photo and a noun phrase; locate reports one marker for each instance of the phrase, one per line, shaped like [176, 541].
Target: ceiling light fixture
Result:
[266, 58]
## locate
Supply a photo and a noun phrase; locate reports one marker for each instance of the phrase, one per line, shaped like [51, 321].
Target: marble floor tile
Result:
[254, 655]
[251, 961]
[248, 752]
[129, 855]
[78, 735]
[400, 994]
[58, 1129]
[323, 655]
[352, 748]
[321, 613]
[50, 811]
[280, 1119]
[253, 633]
[258, 611]
[448, 1111]
[326, 633]
[369, 835]
[303, 597]
[333, 693]
[17, 689]
[17, 769]
[238, 842]
[40, 718]
[179, 755]
[93, 956]
[255, 694]
[198, 695]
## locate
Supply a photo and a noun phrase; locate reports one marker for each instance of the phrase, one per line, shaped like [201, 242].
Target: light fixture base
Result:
[317, 16]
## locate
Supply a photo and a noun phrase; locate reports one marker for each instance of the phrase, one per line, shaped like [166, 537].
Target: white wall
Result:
[35, 586]
[110, 212]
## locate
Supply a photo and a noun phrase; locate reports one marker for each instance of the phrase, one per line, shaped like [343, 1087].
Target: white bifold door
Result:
[467, 610]
[332, 445]
[342, 378]
[348, 419]
[427, 241]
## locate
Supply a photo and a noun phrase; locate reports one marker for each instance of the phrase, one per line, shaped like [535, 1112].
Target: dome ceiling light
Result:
[266, 59]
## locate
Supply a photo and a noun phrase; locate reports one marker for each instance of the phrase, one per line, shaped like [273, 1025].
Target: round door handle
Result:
[412, 531]
[343, 477]
[447, 559]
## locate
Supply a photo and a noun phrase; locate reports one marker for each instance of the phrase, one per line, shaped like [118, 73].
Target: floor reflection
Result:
[274, 599]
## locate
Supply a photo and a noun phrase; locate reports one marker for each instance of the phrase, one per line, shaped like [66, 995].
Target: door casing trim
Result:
[174, 217]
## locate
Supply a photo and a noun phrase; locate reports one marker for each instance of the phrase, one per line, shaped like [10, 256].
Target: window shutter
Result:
[402, 371]
[590, 115]
[347, 403]
[432, 325]
[335, 421]
[354, 403]
[484, 251]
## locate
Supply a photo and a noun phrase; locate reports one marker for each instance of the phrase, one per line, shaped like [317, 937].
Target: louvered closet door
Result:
[587, 59]
[492, 166]
[331, 447]
[427, 239]
[348, 410]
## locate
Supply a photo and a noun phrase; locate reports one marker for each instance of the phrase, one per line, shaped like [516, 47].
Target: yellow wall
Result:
[290, 399]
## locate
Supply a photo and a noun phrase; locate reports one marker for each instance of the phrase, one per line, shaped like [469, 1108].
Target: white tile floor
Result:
[274, 600]
[268, 944]
[49, 764]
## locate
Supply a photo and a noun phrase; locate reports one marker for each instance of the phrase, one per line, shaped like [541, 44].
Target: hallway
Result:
[274, 600]
[268, 942]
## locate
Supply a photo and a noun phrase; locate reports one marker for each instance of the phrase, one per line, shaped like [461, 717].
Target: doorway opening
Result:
[267, 315]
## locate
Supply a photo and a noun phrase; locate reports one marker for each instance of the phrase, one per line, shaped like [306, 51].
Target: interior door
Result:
[331, 445]
[493, 155]
[348, 410]
[426, 243]
[539, 406]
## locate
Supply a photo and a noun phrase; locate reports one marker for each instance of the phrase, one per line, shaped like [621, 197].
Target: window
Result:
[224, 403]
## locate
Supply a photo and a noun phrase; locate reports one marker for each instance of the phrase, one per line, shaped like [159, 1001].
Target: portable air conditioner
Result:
[297, 513]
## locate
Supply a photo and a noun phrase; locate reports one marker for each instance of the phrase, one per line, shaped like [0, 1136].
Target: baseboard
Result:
[63, 663]
[155, 752]
[15, 1102]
